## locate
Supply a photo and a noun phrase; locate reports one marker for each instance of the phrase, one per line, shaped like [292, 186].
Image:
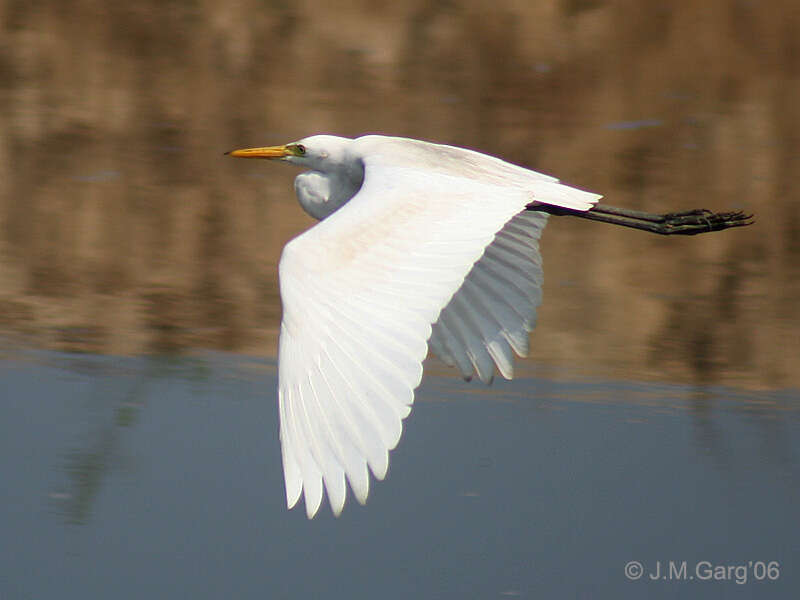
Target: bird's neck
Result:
[321, 194]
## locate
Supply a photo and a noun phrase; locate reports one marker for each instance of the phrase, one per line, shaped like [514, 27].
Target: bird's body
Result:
[420, 245]
[335, 178]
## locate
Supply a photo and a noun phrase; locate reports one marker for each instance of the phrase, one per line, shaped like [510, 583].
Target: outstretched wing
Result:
[490, 316]
[360, 293]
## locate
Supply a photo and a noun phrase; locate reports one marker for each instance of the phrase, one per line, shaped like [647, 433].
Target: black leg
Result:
[690, 222]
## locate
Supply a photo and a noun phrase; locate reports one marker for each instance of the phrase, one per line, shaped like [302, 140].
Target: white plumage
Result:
[420, 245]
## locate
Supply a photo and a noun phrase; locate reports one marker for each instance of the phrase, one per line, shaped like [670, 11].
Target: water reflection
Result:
[108, 397]
[771, 445]
[113, 395]
[116, 393]
[122, 229]
[156, 472]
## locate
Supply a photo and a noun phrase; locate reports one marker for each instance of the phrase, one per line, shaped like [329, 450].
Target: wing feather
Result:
[363, 416]
[502, 291]
[492, 329]
[349, 435]
[513, 321]
[466, 333]
[365, 289]
[443, 333]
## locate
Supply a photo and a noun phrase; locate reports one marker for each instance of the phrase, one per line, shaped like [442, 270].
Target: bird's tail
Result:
[558, 194]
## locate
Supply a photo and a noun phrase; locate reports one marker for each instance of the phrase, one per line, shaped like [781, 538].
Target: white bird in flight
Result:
[420, 246]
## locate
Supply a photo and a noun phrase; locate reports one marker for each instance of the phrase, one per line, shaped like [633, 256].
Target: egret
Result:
[420, 247]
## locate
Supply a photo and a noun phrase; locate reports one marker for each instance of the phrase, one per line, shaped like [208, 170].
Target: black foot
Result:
[692, 222]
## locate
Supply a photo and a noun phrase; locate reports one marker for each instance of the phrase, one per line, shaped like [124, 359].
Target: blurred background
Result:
[124, 230]
[656, 419]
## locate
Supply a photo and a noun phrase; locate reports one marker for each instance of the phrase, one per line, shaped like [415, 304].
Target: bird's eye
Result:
[300, 149]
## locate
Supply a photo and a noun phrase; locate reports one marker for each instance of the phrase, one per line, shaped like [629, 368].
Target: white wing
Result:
[360, 292]
[495, 309]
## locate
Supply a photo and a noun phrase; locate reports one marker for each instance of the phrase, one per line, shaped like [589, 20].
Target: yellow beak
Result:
[267, 152]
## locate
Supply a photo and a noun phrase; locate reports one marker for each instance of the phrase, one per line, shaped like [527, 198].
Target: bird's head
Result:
[322, 153]
[334, 174]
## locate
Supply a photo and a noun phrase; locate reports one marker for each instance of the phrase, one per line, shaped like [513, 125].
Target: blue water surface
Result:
[161, 478]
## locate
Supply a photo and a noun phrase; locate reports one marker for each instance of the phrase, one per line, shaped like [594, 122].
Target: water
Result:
[655, 420]
[124, 230]
[140, 478]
